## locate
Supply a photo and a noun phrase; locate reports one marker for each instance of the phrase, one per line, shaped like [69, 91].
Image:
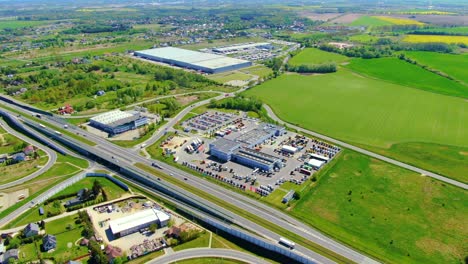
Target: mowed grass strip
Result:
[436, 38]
[401, 72]
[247, 215]
[454, 65]
[316, 56]
[386, 211]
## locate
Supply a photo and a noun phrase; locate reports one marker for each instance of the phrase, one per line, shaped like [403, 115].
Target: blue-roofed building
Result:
[49, 242]
[18, 157]
[30, 230]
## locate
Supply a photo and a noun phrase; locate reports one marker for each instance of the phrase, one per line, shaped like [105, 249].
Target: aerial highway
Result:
[366, 152]
[208, 253]
[269, 214]
[52, 157]
[200, 201]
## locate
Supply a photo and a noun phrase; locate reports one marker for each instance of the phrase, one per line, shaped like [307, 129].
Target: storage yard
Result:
[254, 51]
[125, 224]
[247, 153]
[198, 61]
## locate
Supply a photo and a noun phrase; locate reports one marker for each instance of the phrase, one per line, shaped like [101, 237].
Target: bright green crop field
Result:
[401, 72]
[370, 21]
[14, 24]
[371, 112]
[451, 64]
[386, 211]
[316, 56]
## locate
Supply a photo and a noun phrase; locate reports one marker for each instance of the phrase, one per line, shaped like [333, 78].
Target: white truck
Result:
[287, 243]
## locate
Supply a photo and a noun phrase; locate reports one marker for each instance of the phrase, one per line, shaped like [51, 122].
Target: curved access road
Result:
[52, 157]
[208, 253]
[366, 152]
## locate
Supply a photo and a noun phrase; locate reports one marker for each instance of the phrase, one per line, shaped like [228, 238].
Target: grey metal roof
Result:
[225, 145]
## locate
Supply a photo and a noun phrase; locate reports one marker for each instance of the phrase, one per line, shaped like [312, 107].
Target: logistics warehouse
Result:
[205, 62]
[116, 122]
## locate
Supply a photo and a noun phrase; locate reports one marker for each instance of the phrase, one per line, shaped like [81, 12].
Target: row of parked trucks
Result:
[195, 146]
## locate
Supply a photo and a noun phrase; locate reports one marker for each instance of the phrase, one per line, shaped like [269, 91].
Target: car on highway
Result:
[185, 178]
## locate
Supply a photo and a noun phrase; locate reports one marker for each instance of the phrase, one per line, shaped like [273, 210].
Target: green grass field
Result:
[401, 72]
[361, 110]
[316, 56]
[450, 64]
[370, 21]
[14, 24]
[230, 76]
[387, 211]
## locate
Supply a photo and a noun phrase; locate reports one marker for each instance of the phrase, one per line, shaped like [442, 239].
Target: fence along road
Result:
[273, 116]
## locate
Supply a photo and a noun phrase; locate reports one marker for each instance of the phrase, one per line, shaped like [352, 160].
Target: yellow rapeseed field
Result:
[436, 38]
[400, 21]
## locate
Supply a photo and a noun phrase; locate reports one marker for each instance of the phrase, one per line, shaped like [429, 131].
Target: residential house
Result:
[18, 157]
[30, 230]
[12, 254]
[112, 252]
[28, 150]
[66, 110]
[49, 242]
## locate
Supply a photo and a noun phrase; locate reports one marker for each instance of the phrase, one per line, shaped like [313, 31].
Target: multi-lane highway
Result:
[366, 152]
[51, 161]
[255, 207]
[208, 253]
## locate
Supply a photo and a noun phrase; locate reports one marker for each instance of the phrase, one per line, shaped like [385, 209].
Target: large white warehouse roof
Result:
[190, 58]
[114, 118]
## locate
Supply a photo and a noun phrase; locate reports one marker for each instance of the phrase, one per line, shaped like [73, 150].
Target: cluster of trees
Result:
[435, 47]
[88, 230]
[97, 28]
[365, 52]
[238, 103]
[58, 83]
[312, 68]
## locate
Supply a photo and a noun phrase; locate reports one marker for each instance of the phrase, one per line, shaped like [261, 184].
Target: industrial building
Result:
[240, 149]
[256, 159]
[137, 221]
[260, 134]
[238, 48]
[199, 61]
[116, 122]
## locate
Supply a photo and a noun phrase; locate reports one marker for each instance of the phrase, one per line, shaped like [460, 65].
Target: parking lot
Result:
[296, 157]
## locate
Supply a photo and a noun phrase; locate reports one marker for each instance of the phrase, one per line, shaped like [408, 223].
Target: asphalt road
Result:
[27, 206]
[368, 153]
[52, 157]
[208, 252]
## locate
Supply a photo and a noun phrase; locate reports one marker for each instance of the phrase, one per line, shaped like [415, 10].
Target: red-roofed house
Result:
[67, 109]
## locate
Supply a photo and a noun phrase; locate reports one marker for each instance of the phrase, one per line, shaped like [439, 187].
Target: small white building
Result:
[140, 220]
[289, 149]
[316, 164]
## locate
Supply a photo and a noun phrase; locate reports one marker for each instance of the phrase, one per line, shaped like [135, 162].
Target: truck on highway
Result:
[58, 133]
[41, 125]
[288, 243]
[156, 165]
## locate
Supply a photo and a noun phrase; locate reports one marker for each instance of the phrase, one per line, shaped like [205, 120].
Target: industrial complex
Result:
[116, 122]
[199, 61]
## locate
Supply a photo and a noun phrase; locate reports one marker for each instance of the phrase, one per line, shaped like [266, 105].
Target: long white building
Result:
[137, 221]
[206, 62]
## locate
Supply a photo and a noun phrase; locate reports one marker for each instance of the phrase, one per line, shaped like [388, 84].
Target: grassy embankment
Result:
[375, 113]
